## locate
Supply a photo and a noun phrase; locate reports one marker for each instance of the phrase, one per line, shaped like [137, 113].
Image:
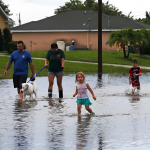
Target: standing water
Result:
[121, 121]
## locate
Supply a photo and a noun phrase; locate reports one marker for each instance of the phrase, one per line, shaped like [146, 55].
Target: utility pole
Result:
[19, 20]
[99, 36]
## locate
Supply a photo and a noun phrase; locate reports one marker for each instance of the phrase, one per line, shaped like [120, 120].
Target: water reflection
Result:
[99, 81]
[3, 83]
[56, 103]
[134, 99]
[22, 137]
[100, 142]
[55, 131]
[121, 121]
[83, 131]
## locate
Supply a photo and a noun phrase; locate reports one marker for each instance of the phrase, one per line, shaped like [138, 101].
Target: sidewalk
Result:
[116, 65]
[3, 54]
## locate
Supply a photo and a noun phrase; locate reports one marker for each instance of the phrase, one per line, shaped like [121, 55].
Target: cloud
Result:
[33, 10]
[137, 7]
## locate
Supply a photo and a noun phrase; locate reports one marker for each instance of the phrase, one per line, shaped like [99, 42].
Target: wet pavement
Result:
[122, 121]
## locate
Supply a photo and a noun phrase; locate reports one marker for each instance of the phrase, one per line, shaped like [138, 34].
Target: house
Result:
[3, 20]
[80, 26]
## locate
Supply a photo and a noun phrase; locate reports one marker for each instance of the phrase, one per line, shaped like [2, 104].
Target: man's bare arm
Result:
[7, 67]
[32, 69]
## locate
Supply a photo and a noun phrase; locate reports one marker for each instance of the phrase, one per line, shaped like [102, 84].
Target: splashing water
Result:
[132, 91]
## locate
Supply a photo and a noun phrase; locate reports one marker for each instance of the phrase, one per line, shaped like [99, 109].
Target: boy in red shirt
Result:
[134, 74]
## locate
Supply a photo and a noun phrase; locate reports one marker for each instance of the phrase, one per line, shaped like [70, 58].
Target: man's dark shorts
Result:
[18, 80]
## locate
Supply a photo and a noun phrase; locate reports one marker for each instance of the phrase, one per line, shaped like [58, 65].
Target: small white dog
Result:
[29, 89]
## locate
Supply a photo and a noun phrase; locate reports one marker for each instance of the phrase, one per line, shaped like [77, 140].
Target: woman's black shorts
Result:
[18, 80]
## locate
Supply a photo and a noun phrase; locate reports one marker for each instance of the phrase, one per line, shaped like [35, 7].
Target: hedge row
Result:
[6, 42]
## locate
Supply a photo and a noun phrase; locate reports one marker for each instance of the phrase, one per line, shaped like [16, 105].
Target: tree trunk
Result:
[140, 51]
[124, 52]
[129, 52]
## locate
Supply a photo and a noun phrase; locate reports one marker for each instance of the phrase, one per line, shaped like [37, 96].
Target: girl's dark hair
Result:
[54, 45]
[134, 61]
[81, 73]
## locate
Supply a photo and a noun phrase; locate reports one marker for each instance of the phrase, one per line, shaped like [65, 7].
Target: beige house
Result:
[3, 20]
[79, 26]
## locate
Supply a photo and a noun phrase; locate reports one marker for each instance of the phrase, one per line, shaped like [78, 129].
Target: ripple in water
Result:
[121, 122]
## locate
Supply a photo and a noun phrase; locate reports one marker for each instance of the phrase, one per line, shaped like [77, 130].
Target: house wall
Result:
[2, 23]
[105, 36]
[43, 41]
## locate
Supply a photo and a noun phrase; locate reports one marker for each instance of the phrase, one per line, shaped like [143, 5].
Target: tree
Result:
[7, 11]
[7, 37]
[5, 8]
[127, 36]
[1, 41]
[129, 15]
[116, 37]
[95, 6]
[107, 8]
[89, 4]
[12, 46]
[72, 5]
[143, 38]
[145, 20]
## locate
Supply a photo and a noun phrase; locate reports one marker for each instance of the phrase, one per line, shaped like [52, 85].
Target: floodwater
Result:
[122, 121]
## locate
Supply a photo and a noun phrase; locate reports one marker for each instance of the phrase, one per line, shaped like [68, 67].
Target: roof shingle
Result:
[79, 20]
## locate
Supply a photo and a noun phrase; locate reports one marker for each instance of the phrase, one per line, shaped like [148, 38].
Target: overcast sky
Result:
[33, 10]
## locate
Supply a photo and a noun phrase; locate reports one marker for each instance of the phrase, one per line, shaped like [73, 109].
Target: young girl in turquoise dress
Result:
[82, 93]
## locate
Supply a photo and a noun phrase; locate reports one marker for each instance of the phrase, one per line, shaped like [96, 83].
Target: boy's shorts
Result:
[136, 84]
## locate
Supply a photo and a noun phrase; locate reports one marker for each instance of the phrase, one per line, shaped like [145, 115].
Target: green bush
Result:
[145, 50]
[1, 41]
[7, 37]
[12, 46]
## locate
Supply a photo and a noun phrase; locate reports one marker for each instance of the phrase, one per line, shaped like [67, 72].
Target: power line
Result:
[21, 3]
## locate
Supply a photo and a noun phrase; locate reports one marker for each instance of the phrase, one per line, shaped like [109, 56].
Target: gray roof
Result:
[78, 20]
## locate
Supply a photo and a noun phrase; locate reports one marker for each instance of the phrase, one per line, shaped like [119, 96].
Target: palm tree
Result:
[147, 17]
[124, 36]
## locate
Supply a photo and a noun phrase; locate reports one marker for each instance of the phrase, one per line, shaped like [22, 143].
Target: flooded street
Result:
[121, 121]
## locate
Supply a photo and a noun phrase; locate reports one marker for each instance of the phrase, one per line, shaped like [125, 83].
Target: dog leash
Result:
[36, 74]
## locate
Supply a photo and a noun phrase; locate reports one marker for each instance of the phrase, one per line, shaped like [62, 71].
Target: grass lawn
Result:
[70, 68]
[3, 51]
[110, 57]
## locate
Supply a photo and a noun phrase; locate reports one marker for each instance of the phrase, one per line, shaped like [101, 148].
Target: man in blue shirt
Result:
[21, 58]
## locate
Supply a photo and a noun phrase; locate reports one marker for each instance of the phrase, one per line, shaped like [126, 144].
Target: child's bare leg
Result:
[79, 109]
[133, 90]
[88, 109]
